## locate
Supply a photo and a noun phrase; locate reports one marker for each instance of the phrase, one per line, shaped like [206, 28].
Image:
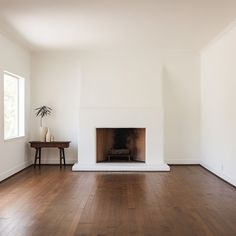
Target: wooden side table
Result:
[61, 145]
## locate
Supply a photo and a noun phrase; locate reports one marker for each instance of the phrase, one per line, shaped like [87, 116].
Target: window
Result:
[14, 106]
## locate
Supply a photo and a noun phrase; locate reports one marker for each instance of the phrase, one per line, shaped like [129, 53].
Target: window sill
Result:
[13, 138]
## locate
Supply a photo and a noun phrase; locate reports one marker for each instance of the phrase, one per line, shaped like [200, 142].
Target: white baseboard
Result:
[219, 173]
[120, 167]
[183, 161]
[14, 170]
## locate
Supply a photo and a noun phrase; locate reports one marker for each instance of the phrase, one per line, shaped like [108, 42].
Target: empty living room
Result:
[117, 118]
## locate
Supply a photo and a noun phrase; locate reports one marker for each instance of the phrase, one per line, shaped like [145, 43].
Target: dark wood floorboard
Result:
[186, 201]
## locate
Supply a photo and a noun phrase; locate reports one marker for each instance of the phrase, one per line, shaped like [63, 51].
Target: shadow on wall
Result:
[173, 140]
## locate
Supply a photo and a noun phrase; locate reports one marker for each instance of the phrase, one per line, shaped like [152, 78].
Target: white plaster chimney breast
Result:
[120, 90]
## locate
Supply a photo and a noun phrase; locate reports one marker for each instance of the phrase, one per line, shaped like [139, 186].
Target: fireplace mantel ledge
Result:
[120, 167]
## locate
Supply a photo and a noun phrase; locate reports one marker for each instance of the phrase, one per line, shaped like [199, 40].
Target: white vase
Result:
[43, 132]
[52, 138]
[48, 136]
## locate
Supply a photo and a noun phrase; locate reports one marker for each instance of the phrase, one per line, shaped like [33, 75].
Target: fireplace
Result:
[103, 108]
[120, 144]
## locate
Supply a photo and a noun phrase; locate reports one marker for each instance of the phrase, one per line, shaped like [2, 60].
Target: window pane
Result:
[14, 106]
[21, 108]
[10, 106]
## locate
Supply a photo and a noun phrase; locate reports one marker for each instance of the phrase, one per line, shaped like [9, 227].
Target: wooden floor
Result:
[186, 201]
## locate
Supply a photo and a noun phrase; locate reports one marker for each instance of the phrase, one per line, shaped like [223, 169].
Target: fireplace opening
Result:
[120, 144]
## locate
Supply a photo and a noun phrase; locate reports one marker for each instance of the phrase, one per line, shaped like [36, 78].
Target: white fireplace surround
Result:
[120, 89]
[148, 118]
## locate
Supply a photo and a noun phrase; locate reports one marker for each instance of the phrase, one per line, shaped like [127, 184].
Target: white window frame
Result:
[20, 106]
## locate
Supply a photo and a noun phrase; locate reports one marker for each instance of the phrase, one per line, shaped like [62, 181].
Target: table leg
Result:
[35, 157]
[60, 154]
[39, 157]
[64, 158]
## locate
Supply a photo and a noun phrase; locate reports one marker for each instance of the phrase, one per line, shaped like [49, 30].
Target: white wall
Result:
[53, 72]
[55, 78]
[121, 78]
[181, 93]
[15, 59]
[218, 106]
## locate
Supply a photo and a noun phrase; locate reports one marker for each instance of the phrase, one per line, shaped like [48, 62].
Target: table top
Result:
[56, 144]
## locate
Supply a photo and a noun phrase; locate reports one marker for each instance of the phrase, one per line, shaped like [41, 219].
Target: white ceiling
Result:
[79, 24]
